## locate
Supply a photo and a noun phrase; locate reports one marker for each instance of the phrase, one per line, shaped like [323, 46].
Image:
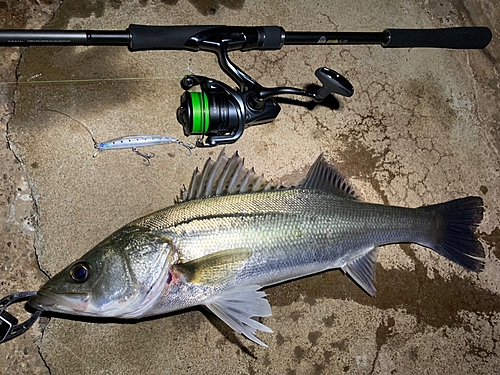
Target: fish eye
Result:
[80, 272]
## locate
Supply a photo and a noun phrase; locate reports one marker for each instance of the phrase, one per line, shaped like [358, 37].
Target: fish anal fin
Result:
[237, 307]
[362, 270]
[213, 269]
[324, 176]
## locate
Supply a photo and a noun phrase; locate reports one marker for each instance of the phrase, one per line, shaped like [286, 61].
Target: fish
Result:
[233, 232]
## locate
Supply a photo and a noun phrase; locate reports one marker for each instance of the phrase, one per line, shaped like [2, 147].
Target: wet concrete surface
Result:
[421, 128]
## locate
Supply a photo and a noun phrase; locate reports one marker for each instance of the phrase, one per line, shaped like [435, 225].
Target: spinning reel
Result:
[219, 112]
[222, 113]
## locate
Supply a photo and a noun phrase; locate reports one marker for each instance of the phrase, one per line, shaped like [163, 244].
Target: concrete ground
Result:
[421, 128]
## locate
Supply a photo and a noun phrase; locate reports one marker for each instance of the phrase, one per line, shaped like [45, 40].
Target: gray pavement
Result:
[421, 128]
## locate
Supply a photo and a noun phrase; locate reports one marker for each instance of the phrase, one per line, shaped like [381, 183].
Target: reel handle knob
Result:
[333, 83]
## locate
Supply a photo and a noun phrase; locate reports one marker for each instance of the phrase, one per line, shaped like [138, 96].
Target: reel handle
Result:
[333, 83]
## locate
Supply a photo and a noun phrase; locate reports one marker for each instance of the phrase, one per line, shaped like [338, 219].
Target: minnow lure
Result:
[130, 141]
[134, 141]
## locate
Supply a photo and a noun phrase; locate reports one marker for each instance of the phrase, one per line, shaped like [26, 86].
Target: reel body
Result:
[221, 113]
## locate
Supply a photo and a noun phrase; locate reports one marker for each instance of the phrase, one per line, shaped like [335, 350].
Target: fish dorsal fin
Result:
[215, 268]
[362, 270]
[224, 177]
[236, 308]
[324, 176]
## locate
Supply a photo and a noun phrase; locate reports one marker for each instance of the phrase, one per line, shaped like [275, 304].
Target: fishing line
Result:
[90, 80]
[131, 141]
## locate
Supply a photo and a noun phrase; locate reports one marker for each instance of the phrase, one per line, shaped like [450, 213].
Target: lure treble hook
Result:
[9, 327]
[189, 147]
[144, 155]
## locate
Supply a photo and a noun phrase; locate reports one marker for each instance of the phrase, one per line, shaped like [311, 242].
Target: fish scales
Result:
[233, 233]
[286, 230]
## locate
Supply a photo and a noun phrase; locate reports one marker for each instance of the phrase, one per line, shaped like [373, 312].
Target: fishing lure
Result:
[131, 141]
[134, 141]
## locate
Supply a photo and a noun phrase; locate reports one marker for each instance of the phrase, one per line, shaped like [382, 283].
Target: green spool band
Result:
[200, 112]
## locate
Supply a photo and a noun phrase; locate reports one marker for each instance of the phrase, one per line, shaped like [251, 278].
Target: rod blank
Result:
[63, 37]
[139, 37]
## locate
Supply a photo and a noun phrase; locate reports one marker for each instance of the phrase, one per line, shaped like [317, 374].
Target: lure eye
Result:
[80, 272]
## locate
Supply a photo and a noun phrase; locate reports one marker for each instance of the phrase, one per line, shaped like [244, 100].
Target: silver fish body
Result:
[234, 233]
[289, 234]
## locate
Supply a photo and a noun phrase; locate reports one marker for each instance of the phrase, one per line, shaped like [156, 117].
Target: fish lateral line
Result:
[346, 235]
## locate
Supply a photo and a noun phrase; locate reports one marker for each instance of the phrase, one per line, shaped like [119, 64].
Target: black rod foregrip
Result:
[456, 37]
[195, 38]
[163, 37]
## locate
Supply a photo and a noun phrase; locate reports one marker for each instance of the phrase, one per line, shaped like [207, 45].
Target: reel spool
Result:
[221, 113]
[214, 112]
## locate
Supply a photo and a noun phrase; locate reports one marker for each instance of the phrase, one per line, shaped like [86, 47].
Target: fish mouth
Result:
[72, 303]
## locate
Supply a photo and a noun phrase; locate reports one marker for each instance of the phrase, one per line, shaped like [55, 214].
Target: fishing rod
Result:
[219, 112]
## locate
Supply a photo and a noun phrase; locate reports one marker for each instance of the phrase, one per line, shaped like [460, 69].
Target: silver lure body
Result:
[134, 141]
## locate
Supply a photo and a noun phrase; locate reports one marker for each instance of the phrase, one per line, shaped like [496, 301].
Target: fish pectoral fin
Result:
[362, 270]
[213, 269]
[237, 307]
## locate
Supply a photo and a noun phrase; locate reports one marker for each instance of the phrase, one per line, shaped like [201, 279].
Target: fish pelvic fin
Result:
[324, 176]
[237, 307]
[457, 221]
[213, 269]
[226, 176]
[362, 270]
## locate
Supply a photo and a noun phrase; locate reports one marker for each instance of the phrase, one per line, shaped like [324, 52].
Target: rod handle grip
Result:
[144, 37]
[455, 37]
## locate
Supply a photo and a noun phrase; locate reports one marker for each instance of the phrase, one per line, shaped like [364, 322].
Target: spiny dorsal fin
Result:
[362, 270]
[324, 176]
[224, 177]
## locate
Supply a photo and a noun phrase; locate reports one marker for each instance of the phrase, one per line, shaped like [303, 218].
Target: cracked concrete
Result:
[18, 264]
[421, 128]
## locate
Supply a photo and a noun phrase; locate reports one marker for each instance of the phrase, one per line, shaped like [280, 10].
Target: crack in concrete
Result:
[8, 116]
[41, 355]
[34, 196]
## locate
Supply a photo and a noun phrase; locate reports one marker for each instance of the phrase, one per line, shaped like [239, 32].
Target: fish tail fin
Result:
[455, 239]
